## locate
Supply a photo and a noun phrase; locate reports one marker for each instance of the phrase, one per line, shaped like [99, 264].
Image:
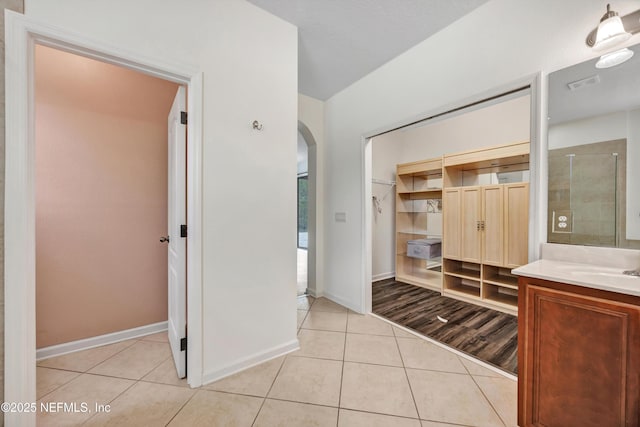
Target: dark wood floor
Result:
[487, 334]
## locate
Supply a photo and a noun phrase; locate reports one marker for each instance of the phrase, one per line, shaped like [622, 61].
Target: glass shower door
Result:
[583, 199]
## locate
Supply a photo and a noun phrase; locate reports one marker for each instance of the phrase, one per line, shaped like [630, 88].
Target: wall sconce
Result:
[611, 31]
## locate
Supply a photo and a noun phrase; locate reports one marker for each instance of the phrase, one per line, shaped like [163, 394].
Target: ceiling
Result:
[615, 89]
[341, 41]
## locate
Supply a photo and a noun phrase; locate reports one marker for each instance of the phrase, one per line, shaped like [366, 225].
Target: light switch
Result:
[340, 216]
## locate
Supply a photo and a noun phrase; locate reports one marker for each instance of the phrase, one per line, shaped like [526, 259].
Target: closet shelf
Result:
[421, 194]
[464, 273]
[420, 233]
[504, 281]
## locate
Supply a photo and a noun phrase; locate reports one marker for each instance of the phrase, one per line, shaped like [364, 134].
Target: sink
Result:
[575, 268]
[604, 274]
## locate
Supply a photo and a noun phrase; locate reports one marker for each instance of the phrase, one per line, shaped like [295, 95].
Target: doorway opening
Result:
[20, 220]
[103, 209]
[307, 160]
[411, 177]
[303, 215]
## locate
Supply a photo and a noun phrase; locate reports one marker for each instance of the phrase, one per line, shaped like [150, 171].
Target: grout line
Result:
[344, 354]
[183, 406]
[485, 396]
[61, 385]
[406, 374]
[264, 398]
[113, 355]
[112, 400]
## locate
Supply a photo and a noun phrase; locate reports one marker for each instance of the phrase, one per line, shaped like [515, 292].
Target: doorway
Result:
[303, 214]
[101, 180]
[306, 187]
[412, 284]
[23, 33]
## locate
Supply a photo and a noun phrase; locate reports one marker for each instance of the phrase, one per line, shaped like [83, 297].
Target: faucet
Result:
[635, 273]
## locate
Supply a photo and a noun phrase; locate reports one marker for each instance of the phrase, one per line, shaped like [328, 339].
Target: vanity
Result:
[579, 338]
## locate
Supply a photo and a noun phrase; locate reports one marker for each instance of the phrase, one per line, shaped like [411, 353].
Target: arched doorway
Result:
[306, 233]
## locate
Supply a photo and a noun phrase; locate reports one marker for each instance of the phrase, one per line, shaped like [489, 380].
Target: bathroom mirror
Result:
[594, 154]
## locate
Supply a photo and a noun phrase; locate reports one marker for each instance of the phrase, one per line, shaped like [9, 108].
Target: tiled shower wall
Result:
[17, 5]
[597, 204]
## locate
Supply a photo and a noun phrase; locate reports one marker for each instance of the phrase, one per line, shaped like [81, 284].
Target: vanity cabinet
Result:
[578, 356]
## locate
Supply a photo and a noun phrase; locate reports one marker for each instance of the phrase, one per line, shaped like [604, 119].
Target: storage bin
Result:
[424, 248]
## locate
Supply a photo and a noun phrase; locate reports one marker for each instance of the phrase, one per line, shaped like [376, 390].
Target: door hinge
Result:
[183, 230]
[183, 117]
[183, 344]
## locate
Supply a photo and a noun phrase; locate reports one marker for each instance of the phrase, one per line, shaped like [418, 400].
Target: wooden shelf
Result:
[431, 281]
[419, 233]
[499, 276]
[500, 295]
[425, 190]
[462, 286]
[417, 182]
[504, 155]
[462, 269]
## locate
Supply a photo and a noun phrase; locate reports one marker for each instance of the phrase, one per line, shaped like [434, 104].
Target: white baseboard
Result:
[313, 293]
[250, 362]
[343, 302]
[87, 343]
[383, 276]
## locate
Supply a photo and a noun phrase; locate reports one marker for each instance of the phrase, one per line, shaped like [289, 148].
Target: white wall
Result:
[249, 61]
[498, 43]
[587, 131]
[503, 123]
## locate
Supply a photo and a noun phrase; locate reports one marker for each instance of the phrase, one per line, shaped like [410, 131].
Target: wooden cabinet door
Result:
[579, 359]
[451, 230]
[471, 214]
[492, 229]
[516, 224]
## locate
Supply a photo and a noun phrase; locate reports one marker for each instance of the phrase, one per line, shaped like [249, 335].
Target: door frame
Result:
[22, 33]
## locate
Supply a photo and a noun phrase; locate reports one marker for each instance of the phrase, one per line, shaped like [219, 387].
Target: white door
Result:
[177, 215]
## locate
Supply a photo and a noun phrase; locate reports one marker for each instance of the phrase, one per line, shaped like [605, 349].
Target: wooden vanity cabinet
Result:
[578, 356]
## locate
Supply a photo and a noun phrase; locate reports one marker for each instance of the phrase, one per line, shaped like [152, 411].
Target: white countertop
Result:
[596, 268]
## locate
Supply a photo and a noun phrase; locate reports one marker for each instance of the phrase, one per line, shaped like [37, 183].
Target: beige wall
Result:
[17, 5]
[101, 197]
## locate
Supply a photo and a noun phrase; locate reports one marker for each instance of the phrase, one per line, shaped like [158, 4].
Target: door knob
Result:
[164, 239]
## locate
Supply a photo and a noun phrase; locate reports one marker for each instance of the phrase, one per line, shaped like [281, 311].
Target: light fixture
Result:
[610, 31]
[614, 58]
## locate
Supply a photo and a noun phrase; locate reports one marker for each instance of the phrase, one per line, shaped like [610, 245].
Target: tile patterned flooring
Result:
[351, 370]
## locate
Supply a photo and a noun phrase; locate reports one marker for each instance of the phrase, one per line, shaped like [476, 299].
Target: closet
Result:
[468, 251]
[418, 223]
[485, 226]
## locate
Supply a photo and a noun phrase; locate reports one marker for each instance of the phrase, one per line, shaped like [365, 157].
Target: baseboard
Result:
[250, 362]
[87, 343]
[313, 293]
[383, 276]
[343, 302]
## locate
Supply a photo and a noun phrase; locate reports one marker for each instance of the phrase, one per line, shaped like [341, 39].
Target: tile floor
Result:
[351, 370]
